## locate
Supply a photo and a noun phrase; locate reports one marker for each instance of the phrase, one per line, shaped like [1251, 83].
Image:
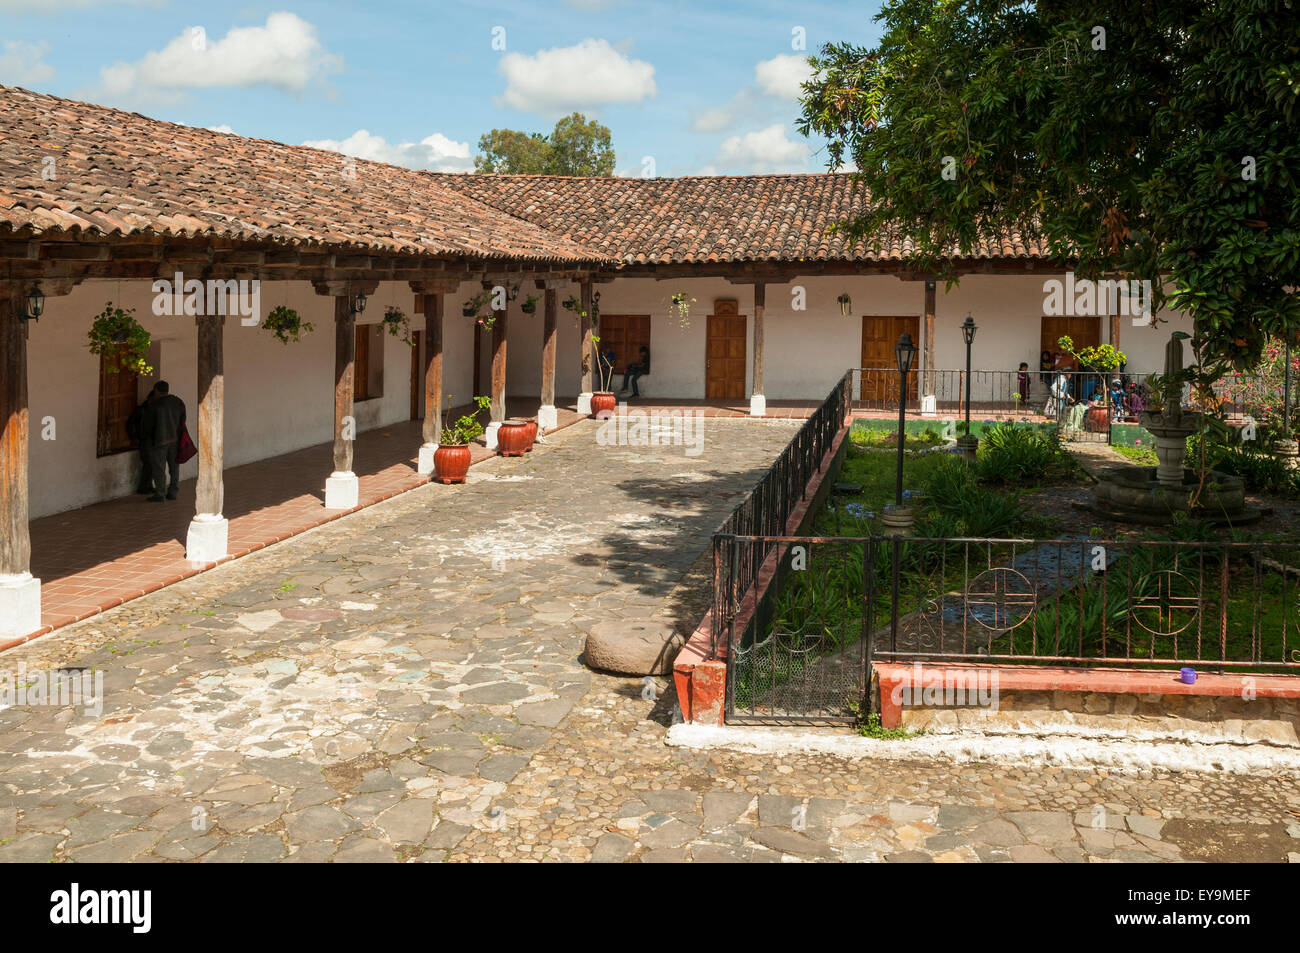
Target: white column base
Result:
[758, 406]
[424, 464]
[929, 405]
[342, 491]
[548, 418]
[20, 604]
[584, 404]
[490, 436]
[208, 539]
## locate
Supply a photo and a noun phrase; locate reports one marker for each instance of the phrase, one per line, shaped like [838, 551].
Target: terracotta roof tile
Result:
[700, 218]
[120, 173]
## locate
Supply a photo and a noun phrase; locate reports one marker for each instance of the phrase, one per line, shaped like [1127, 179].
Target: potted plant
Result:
[451, 459]
[286, 324]
[396, 323]
[846, 304]
[116, 332]
[474, 305]
[530, 305]
[603, 400]
[682, 306]
[570, 303]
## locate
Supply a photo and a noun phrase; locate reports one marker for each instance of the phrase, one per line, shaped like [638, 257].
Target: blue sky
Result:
[697, 87]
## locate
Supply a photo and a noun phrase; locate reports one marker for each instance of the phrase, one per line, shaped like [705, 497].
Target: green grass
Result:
[1142, 456]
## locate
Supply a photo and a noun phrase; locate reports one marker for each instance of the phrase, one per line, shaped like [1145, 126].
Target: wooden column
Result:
[345, 355]
[499, 366]
[546, 413]
[757, 402]
[929, 336]
[15, 537]
[210, 488]
[342, 491]
[586, 367]
[433, 311]
[208, 537]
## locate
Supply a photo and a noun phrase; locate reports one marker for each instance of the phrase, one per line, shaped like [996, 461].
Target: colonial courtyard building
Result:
[736, 285]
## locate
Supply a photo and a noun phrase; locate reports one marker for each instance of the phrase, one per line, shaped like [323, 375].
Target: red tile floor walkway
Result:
[100, 556]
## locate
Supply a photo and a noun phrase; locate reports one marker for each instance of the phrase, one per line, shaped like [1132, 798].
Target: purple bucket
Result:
[1187, 676]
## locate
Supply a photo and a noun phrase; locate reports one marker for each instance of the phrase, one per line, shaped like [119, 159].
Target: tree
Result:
[577, 146]
[1154, 139]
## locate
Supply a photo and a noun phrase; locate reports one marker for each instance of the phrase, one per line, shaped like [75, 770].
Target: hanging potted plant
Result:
[846, 304]
[116, 332]
[396, 323]
[474, 305]
[682, 306]
[570, 303]
[286, 324]
[530, 305]
[603, 400]
[451, 459]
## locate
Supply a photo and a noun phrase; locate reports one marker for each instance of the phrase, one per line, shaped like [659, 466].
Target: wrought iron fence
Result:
[802, 648]
[767, 508]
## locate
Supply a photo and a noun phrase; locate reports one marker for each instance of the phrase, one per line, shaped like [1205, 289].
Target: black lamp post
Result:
[968, 329]
[905, 353]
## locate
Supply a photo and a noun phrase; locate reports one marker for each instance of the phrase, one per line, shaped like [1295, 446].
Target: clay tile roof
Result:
[750, 218]
[119, 174]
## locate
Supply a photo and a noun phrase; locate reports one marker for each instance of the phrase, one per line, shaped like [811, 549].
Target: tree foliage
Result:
[1155, 139]
[576, 146]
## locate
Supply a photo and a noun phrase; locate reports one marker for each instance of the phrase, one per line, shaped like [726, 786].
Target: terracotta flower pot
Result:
[1098, 420]
[530, 428]
[451, 464]
[512, 438]
[603, 404]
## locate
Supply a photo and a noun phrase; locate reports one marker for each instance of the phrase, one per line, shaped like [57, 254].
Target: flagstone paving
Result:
[405, 684]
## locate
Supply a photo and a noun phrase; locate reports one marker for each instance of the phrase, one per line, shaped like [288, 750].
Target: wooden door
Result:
[626, 334]
[880, 334]
[1084, 331]
[361, 363]
[118, 397]
[417, 375]
[726, 350]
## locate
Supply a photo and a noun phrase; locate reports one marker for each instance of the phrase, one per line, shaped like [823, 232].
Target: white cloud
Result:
[435, 152]
[782, 75]
[585, 76]
[22, 64]
[285, 53]
[221, 128]
[764, 150]
[712, 120]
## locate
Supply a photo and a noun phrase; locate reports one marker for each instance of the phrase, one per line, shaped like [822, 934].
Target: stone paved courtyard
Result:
[405, 684]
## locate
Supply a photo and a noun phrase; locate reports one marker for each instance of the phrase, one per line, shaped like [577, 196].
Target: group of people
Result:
[1126, 400]
[158, 426]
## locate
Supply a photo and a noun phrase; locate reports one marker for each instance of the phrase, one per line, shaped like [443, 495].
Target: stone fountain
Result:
[1159, 495]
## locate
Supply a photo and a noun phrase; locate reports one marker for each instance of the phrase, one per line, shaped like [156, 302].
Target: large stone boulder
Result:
[632, 647]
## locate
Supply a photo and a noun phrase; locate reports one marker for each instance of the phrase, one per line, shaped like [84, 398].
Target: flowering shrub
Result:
[1260, 393]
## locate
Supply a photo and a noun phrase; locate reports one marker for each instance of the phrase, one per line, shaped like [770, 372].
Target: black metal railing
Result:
[767, 508]
[834, 605]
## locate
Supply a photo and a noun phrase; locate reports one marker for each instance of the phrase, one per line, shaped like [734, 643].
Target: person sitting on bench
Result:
[635, 370]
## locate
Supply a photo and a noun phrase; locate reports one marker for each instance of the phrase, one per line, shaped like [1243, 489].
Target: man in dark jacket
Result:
[160, 432]
[133, 424]
[635, 370]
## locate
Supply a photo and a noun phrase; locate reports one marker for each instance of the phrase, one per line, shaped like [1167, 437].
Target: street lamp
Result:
[969, 442]
[905, 353]
[359, 302]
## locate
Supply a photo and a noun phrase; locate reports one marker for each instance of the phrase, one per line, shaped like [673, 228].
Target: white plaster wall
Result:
[279, 397]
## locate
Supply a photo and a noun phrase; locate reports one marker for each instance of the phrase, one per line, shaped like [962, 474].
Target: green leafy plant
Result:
[681, 306]
[530, 305]
[604, 369]
[473, 308]
[117, 334]
[467, 427]
[1021, 455]
[286, 324]
[396, 323]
